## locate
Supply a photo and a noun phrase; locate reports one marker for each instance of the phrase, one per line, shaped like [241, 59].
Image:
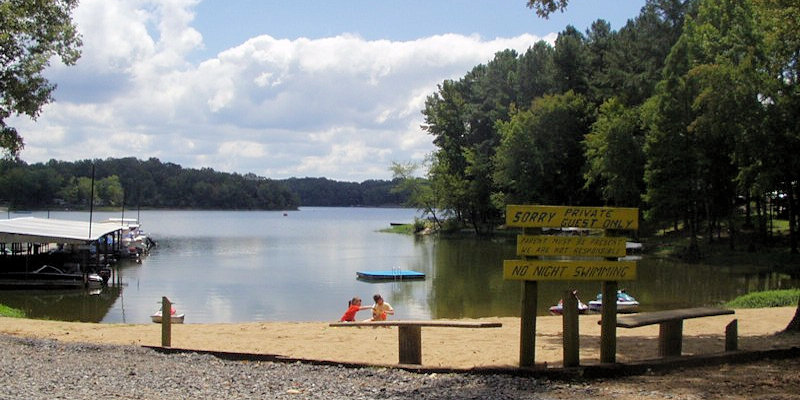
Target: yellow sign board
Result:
[549, 270]
[572, 246]
[572, 217]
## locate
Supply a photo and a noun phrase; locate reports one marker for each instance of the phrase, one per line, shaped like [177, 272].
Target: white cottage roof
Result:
[43, 230]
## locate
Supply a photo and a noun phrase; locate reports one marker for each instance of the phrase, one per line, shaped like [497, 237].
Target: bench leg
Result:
[670, 336]
[410, 339]
[732, 336]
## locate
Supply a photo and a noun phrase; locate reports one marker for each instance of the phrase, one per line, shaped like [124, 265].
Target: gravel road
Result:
[32, 369]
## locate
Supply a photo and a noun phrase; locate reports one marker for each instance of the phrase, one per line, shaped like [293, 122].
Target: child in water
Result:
[353, 306]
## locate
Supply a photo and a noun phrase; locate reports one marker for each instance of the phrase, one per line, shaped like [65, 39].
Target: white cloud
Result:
[340, 107]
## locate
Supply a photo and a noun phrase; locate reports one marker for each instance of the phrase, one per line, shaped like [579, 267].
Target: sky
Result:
[280, 89]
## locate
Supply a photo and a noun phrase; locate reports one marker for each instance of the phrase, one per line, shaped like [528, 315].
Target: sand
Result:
[441, 347]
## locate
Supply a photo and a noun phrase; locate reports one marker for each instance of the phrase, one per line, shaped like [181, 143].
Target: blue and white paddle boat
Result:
[625, 303]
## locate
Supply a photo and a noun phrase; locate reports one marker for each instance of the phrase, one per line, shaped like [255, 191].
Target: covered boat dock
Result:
[70, 249]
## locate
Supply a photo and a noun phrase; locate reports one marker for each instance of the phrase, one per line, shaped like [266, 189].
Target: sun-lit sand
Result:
[445, 347]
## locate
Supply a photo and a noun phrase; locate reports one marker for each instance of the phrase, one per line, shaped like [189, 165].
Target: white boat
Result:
[174, 318]
[625, 303]
[558, 309]
[134, 239]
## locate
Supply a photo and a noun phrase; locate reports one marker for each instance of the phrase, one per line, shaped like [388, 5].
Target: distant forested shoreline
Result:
[130, 182]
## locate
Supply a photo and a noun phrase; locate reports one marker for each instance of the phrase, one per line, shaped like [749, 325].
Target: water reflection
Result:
[468, 282]
[65, 305]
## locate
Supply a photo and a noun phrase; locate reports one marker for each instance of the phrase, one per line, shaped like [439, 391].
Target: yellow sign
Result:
[546, 270]
[572, 246]
[572, 217]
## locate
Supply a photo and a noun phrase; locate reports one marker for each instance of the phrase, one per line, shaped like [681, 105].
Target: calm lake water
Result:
[244, 266]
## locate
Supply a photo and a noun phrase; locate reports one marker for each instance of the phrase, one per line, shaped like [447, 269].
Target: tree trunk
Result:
[792, 219]
[794, 324]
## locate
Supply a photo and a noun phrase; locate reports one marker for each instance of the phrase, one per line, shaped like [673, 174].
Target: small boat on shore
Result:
[625, 303]
[558, 309]
[390, 275]
[157, 317]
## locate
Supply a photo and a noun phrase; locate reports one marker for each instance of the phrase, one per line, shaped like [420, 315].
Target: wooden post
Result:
[166, 322]
[410, 340]
[732, 336]
[527, 326]
[608, 327]
[570, 326]
[670, 338]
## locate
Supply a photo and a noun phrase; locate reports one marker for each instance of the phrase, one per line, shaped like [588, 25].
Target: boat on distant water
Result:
[395, 274]
[625, 303]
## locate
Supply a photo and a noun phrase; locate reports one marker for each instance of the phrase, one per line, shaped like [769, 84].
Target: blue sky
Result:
[280, 89]
[231, 22]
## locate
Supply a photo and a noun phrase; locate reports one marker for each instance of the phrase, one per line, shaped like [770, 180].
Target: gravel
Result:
[46, 369]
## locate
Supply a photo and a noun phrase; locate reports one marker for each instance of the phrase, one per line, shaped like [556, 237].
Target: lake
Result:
[245, 266]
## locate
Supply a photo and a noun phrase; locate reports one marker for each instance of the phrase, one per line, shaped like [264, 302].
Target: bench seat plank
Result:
[658, 317]
[437, 323]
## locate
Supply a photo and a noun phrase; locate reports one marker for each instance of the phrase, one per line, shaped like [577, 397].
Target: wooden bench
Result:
[409, 334]
[670, 333]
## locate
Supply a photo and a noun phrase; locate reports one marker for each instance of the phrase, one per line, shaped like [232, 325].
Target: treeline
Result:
[131, 182]
[322, 192]
[688, 112]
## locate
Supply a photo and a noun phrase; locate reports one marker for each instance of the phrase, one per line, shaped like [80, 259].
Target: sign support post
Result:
[527, 326]
[608, 324]
[571, 342]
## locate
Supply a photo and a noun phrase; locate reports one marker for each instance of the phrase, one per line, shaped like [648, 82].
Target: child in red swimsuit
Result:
[353, 306]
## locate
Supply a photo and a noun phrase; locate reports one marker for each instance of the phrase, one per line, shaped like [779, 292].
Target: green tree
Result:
[461, 116]
[546, 7]
[571, 60]
[31, 34]
[540, 158]
[422, 193]
[535, 74]
[670, 172]
[615, 154]
[777, 166]
[109, 191]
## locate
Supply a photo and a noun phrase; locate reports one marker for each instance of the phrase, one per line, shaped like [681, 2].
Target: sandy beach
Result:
[441, 347]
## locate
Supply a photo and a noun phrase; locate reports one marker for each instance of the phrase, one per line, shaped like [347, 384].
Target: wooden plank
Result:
[573, 270]
[437, 323]
[657, 317]
[572, 246]
[531, 216]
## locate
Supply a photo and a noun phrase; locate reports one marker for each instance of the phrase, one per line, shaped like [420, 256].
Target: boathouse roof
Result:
[45, 230]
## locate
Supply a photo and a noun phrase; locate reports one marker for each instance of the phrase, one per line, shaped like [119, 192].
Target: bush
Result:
[7, 311]
[770, 298]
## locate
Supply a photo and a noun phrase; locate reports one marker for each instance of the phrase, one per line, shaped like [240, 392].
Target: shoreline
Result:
[441, 347]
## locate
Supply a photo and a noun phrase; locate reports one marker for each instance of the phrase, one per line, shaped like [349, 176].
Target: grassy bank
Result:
[6, 311]
[770, 298]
